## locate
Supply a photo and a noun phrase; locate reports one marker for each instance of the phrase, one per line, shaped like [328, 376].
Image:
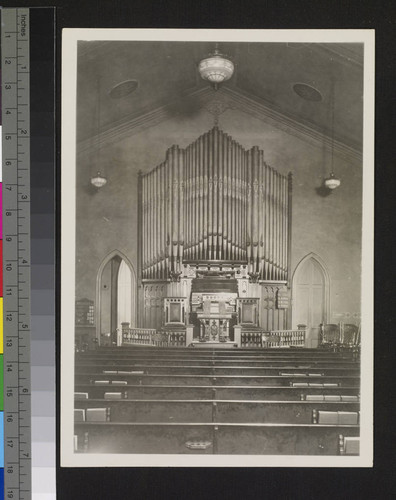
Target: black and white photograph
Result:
[216, 254]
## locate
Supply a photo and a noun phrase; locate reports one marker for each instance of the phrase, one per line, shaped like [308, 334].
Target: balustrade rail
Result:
[252, 338]
[290, 338]
[149, 336]
[276, 338]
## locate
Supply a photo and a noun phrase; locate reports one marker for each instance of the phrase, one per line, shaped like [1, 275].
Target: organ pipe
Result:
[260, 214]
[143, 225]
[214, 201]
[277, 243]
[181, 205]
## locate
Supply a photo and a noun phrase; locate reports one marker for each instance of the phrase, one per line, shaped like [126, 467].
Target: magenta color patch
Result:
[1, 210]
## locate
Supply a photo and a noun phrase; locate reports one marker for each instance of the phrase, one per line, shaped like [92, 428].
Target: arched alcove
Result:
[310, 296]
[115, 295]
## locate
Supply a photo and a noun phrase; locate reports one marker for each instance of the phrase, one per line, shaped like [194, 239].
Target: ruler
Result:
[16, 252]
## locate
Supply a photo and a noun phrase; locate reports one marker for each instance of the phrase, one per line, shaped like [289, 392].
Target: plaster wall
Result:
[328, 226]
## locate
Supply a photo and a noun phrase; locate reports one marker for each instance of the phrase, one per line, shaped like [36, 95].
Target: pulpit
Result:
[215, 314]
[214, 321]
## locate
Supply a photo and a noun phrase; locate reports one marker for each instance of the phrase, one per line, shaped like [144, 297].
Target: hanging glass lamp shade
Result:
[332, 182]
[216, 68]
[98, 180]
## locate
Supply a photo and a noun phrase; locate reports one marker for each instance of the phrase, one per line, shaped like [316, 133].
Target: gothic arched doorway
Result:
[115, 296]
[310, 297]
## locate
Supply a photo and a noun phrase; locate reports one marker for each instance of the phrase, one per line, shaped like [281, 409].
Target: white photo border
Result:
[70, 38]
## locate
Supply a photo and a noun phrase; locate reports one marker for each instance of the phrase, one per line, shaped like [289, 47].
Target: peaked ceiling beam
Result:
[235, 99]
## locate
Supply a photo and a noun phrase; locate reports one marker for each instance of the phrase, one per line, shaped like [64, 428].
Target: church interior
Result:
[218, 247]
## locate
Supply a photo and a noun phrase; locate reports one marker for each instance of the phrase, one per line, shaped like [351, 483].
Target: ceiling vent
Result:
[123, 89]
[307, 92]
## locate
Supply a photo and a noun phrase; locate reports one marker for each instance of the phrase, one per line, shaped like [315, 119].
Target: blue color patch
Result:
[1, 484]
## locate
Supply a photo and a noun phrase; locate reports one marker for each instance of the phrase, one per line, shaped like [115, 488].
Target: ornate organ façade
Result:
[215, 210]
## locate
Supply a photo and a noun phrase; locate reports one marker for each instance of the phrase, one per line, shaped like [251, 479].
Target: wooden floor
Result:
[215, 401]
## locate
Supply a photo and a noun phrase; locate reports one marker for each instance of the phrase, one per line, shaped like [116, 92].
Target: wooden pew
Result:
[254, 362]
[225, 411]
[321, 416]
[176, 400]
[281, 393]
[230, 438]
[182, 355]
[159, 379]
[92, 413]
[160, 369]
[194, 349]
[258, 355]
[349, 445]
[330, 397]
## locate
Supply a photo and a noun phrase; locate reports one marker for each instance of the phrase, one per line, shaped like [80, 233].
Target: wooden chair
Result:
[350, 335]
[330, 335]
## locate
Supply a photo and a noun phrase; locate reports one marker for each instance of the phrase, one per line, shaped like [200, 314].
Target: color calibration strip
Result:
[28, 161]
[42, 248]
[15, 59]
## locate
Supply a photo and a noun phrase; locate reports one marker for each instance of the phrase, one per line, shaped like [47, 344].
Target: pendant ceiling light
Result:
[98, 179]
[332, 182]
[216, 68]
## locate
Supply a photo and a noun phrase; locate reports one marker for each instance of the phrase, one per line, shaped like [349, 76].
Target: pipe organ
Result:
[215, 201]
[210, 203]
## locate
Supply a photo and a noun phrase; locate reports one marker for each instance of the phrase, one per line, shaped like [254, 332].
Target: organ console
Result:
[215, 205]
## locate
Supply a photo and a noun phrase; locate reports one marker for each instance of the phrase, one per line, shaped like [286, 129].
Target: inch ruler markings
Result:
[15, 60]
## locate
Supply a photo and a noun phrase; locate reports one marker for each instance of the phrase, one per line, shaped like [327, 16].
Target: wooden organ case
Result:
[215, 228]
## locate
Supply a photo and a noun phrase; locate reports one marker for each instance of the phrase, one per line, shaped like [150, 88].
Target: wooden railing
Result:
[177, 338]
[290, 338]
[141, 336]
[276, 338]
[251, 338]
[148, 336]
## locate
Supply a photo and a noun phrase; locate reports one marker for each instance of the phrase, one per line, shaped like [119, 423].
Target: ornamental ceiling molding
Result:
[225, 98]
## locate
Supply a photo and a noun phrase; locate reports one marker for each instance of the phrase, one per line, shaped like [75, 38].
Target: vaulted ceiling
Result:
[265, 73]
